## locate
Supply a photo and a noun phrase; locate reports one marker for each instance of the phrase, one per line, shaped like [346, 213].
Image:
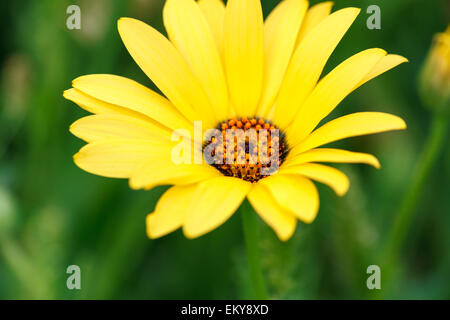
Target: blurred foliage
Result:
[53, 214]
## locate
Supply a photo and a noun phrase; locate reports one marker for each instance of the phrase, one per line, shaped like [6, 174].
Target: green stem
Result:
[405, 214]
[251, 235]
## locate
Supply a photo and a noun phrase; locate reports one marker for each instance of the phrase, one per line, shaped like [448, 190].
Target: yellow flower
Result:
[226, 67]
[435, 75]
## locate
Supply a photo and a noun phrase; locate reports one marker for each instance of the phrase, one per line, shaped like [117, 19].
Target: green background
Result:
[52, 214]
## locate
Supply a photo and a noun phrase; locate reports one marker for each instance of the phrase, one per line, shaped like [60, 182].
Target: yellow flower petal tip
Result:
[155, 229]
[125, 22]
[77, 158]
[343, 191]
[402, 124]
[133, 185]
[397, 123]
[70, 94]
[376, 163]
[397, 59]
[79, 80]
[310, 219]
[191, 235]
[285, 237]
[191, 232]
[149, 227]
[403, 59]
[125, 19]
[377, 50]
[71, 129]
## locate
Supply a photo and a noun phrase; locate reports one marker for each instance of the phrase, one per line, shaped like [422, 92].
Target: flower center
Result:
[246, 148]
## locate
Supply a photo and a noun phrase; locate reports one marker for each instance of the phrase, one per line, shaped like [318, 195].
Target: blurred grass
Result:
[53, 215]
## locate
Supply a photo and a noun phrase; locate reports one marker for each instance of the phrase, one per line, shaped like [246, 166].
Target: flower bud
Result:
[434, 81]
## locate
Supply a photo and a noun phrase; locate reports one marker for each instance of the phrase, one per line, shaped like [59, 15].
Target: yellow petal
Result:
[96, 106]
[332, 177]
[330, 91]
[308, 62]
[117, 158]
[297, 195]
[110, 126]
[169, 212]
[243, 54]
[279, 219]
[214, 12]
[331, 155]
[314, 16]
[385, 64]
[129, 94]
[190, 33]
[165, 66]
[355, 124]
[215, 200]
[280, 32]
[150, 174]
